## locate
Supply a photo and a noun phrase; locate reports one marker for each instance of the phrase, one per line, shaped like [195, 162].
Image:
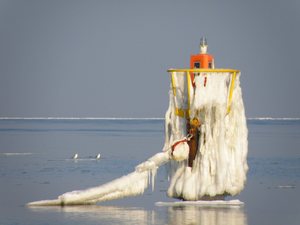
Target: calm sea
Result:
[36, 164]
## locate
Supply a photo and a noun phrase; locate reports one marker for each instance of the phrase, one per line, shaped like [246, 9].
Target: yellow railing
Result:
[186, 112]
[205, 70]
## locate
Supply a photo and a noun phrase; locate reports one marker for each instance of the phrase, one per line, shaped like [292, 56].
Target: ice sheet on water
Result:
[215, 203]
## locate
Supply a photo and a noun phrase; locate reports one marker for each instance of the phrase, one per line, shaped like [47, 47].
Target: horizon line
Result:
[128, 118]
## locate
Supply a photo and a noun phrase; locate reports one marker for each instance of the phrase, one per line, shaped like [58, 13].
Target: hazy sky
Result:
[109, 58]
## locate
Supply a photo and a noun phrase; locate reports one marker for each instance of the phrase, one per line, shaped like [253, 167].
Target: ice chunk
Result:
[181, 151]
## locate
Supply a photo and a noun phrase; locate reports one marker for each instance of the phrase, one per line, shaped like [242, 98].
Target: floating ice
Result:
[215, 203]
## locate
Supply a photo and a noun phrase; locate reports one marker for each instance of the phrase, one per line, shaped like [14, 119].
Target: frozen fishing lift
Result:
[202, 113]
[205, 141]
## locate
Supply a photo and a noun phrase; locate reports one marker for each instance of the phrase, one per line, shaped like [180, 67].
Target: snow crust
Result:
[220, 165]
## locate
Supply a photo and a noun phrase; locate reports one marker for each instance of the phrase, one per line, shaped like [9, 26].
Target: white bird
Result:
[98, 156]
[75, 156]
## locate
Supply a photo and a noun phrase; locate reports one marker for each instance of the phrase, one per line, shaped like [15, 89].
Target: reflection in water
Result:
[206, 215]
[90, 214]
[173, 215]
[109, 214]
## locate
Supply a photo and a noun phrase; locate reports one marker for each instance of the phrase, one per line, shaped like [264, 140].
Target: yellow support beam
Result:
[188, 80]
[204, 70]
[185, 113]
[173, 83]
[231, 91]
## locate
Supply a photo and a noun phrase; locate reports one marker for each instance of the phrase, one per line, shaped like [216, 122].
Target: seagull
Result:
[98, 156]
[75, 156]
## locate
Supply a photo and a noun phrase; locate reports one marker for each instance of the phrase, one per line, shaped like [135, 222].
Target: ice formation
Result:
[130, 185]
[220, 165]
[217, 203]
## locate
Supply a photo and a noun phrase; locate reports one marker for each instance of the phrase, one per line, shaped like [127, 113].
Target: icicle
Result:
[220, 165]
[153, 175]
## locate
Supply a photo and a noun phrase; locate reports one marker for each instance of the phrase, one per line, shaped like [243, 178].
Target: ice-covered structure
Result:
[206, 107]
[220, 165]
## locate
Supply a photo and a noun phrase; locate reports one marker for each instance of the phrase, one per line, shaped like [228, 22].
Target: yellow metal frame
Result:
[173, 83]
[205, 70]
[189, 82]
[186, 112]
[231, 91]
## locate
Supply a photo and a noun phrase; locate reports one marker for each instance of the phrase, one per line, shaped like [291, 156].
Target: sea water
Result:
[36, 163]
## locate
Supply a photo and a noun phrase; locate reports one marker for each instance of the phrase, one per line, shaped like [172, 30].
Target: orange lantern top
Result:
[202, 60]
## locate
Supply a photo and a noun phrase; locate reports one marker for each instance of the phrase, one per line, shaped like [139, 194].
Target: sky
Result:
[70, 58]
